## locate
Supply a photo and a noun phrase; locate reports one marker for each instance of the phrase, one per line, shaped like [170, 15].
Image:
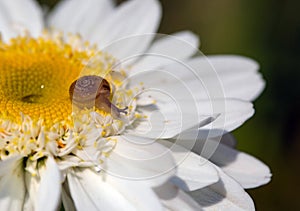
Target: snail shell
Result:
[91, 90]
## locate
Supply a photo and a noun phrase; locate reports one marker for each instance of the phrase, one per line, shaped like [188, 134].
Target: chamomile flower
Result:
[98, 113]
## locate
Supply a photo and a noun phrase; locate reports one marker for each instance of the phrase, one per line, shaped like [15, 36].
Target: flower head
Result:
[94, 109]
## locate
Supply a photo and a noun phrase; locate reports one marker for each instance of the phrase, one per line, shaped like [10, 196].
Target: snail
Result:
[91, 90]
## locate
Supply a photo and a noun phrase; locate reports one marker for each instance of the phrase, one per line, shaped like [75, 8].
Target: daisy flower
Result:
[97, 112]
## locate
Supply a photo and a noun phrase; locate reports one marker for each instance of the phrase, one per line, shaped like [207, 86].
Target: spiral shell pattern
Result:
[87, 88]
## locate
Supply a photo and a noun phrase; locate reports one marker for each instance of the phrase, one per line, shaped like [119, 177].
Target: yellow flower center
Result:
[35, 76]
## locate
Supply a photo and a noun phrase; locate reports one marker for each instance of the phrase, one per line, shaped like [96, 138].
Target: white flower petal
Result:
[163, 124]
[181, 91]
[193, 171]
[244, 168]
[90, 192]
[212, 77]
[5, 28]
[89, 14]
[20, 15]
[137, 193]
[136, 158]
[224, 195]
[239, 76]
[179, 80]
[131, 18]
[175, 199]
[179, 83]
[175, 108]
[41, 184]
[169, 49]
[12, 185]
[210, 118]
[242, 86]
[236, 113]
[32, 185]
[50, 187]
[232, 114]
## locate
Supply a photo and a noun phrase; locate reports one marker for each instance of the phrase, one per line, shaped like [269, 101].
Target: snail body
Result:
[91, 90]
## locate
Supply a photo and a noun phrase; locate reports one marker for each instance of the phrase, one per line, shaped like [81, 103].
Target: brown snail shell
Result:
[91, 90]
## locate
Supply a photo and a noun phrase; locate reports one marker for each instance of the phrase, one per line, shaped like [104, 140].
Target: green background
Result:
[269, 32]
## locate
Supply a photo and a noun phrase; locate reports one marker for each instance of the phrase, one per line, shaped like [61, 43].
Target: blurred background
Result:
[269, 32]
